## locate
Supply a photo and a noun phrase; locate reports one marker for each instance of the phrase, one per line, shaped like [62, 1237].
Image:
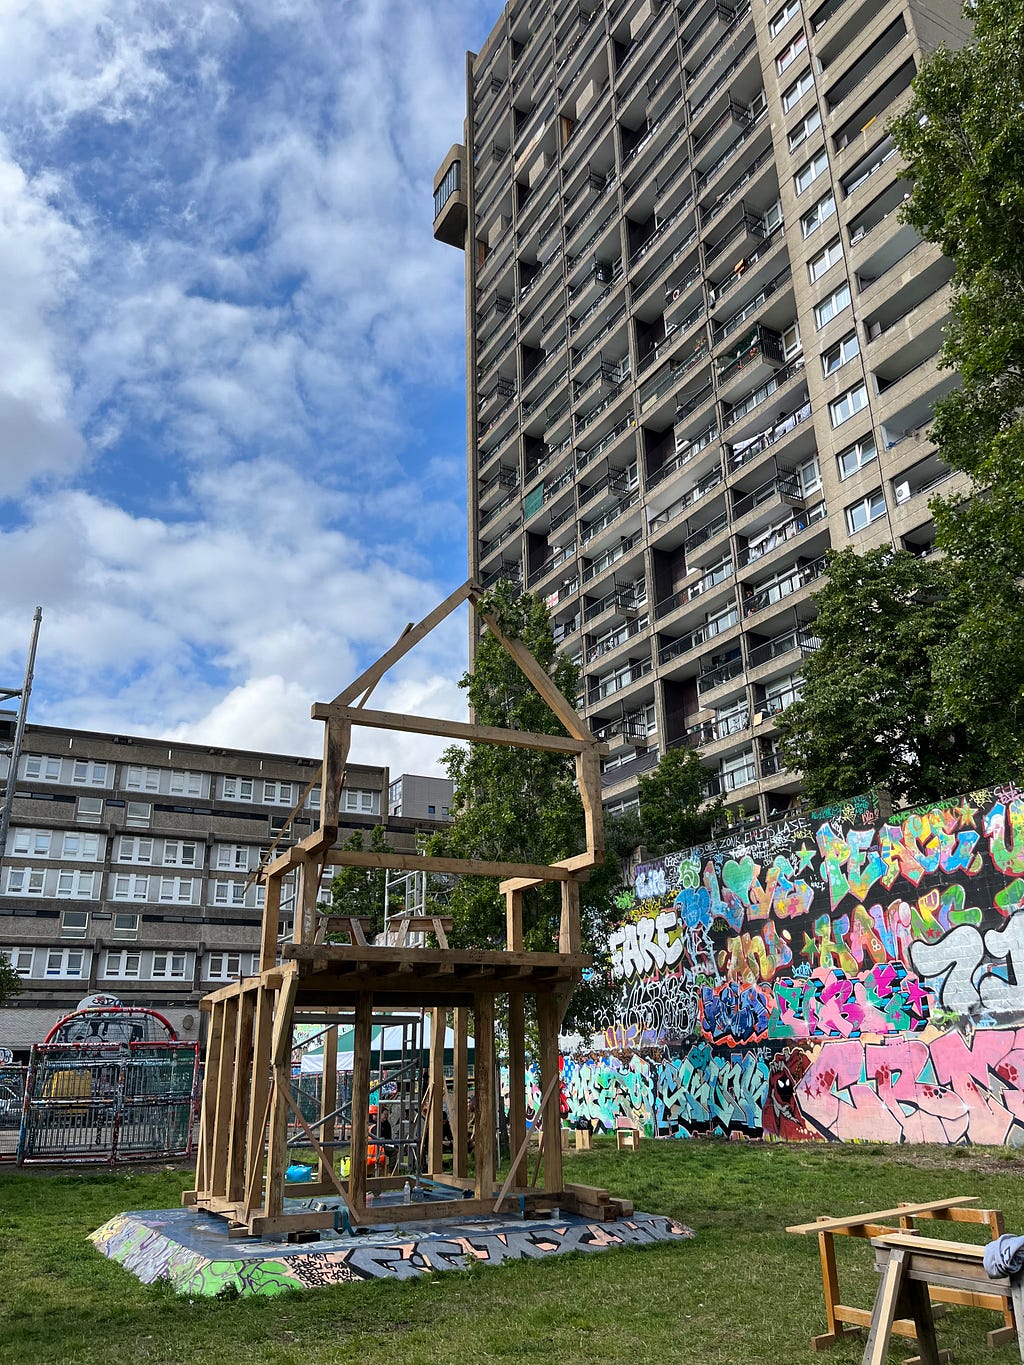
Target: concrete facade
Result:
[701, 347]
[127, 865]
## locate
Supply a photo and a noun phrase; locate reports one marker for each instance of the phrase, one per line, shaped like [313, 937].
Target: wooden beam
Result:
[259, 1097]
[271, 926]
[412, 1213]
[242, 1080]
[588, 780]
[361, 1044]
[329, 1095]
[223, 1119]
[435, 1113]
[455, 729]
[460, 1075]
[580, 863]
[514, 919]
[569, 923]
[409, 638]
[337, 742]
[465, 867]
[483, 1078]
[303, 922]
[517, 1085]
[545, 688]
[549, 1018]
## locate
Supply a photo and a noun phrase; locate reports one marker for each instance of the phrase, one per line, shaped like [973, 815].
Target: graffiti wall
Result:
[847, 976]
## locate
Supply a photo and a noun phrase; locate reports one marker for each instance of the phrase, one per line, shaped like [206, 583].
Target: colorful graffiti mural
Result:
[840, 977]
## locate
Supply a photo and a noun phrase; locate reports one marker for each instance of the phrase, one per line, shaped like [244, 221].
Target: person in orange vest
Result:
[376, 1156]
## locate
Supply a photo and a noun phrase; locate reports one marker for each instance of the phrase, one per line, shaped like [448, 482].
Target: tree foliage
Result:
[868, 716]
[362, 890]
[671, 814]
[10, 981]
[963, 140]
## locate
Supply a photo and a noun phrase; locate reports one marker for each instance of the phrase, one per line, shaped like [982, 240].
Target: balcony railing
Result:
[738, 319]
[783, 587]
[763, 392]
[710, 731]
[552, 562]
[744, 451]
[721, 574]
[698, 637]
[782, 644]
[715, 677]
[608, 687]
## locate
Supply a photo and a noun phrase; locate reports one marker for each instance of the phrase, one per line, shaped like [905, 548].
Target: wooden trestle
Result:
[247, 1102]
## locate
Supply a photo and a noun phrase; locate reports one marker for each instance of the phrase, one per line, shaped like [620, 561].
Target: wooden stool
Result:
[627, 1139]
[583, 1137]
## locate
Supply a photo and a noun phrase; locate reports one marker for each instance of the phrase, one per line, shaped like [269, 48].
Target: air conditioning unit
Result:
[902, 491]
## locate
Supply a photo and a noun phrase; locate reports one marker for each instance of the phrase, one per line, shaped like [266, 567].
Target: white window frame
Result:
[235, 788]
[31, 843]
[856, 457]
[71, 964]
[825, 259]
[89, 810]
[122, 964]
[818, 215]
[139, 778]
[74, 924]
[809, 124]
[779, 21]
[229, 965]
[124, 925]
[228, 892]
[41, 768]
[20, 960]
[278, 793]
[233, 857]
[169, 965]
[130, 886]
[86, 772]
[834, 304]
[840, 353]
[88, 850]
[185, 783]
[795, 93]
[138, 815]
[25, 881]
[810, 170]
[360, 801]
[176, 890]
[176, 853]
[848, 404]
[789, 54]
[133, 848]
[76, 884]
[808, 476]
[861, 514]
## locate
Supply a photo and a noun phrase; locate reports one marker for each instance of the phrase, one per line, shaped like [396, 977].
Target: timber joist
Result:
[248, 1104]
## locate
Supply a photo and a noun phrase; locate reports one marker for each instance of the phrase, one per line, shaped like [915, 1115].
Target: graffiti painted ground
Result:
[745, 1292]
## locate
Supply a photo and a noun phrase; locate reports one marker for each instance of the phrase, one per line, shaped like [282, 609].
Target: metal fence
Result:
[12, 1098]
[109, 1103]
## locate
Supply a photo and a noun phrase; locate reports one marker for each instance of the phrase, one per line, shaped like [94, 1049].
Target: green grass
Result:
[743, 1292]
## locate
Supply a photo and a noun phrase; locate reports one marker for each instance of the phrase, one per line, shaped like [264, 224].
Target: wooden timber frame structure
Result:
[247, 1102]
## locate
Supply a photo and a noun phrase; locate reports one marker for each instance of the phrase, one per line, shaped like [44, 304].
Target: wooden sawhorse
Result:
[912, 1267]
[842, 1319]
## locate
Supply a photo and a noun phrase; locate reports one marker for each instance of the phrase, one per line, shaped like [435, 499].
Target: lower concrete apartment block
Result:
[127, 866]
[702, 346]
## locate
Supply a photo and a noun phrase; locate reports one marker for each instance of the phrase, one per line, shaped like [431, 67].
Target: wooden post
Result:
[259, 1095]
[328, 1100]
[280, 1059]
[483, 1072]
[303, 926]
[337, 739]
[222, 1123]
[517, 1083]
[242, 1079]
[435, 1114]
[514, 919]
[460, 1069]
[549, 1017]
[588, 779]
[271, 922]
[360, 1100]
[569, 924]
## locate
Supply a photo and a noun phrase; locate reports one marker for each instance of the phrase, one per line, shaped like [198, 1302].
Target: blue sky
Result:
[232, 441]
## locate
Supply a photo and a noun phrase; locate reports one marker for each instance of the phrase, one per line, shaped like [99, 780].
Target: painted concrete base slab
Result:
[192, 1250]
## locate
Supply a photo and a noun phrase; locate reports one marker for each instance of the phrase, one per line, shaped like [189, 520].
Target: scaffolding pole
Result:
[22, 693]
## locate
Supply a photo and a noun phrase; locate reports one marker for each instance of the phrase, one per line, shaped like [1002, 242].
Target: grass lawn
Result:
[743, 1292]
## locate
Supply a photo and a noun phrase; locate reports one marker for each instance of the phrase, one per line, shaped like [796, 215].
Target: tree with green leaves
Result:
[962, 137]
[10, 981]
[867, 716]
[362, 891]
[673, 814]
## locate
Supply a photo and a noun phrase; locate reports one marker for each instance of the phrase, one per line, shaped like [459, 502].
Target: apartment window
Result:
[74, 924]
[788, 55]
[866, 511]
[716, 624]
[32, 843]
[738, 770]
[23, 881]
[233, 856]
[169, 966]
[782, 18]
[228, 893]
[138, 779]
[65, 962]
[831, 307]
[236, 788]
[840, 354]
[807, 125]
[313, 799]
[797, 90]
[844, 407]
[279, 793]
[124, 925]
[360, 802]
[41, 769]
[792, 346]
[85, 847]
[822, 211]
[810, 170]
[229, 966]
[138, 815]
[78, 885]
[85, 773]
[129, 886]
[825, 259]
[855, 457]
[177, 889]
[123, 964]
[809, 476]
[186, 784]
[20, 959]
[90, 809]
[132, 850]
[179, 853]
[771, 218]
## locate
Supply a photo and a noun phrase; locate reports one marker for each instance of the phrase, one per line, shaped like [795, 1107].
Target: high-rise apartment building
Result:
[701, 346]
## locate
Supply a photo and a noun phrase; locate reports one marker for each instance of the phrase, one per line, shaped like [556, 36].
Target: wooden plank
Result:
[549, 1017]
[569, 922]
[271, 926]
[259, 1095]
[223, 1117]
[518, 1162]
[514, 919]
[454, 729]
[937, 1246]
[304, 919]
[242, 1080]
[361, 1044]
[916, 1296]
[263, 1225]
[460, 1086]
[464, 867]
[374, 956]
[211, 1071]
[588, 780]
[435, 1111]
[840, 1224]
[326, 1164]
[546, 689]
[337, 742]
[436, 1208]
[329, 1096]
[483, 1074]
[884, 1313]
